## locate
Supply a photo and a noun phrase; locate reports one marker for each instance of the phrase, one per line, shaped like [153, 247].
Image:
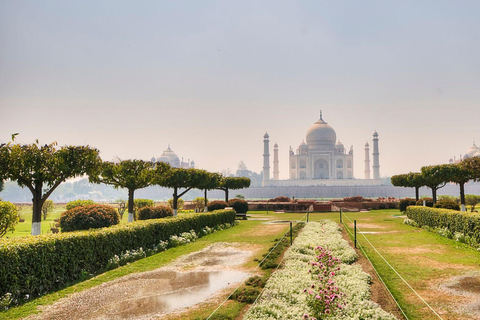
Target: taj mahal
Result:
[321, 160]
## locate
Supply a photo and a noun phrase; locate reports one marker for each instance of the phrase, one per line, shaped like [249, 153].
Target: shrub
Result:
[447, 204]
[157, 212]
[37, 265]
[454, 221]
[47, 208]
[8, 217]
[217, 205]
[140, 203]
[280, 199]
[79, 203]
[428, 202]
[180, 203]
[404, 203]
[239, 205]
[84, 218]
[354, 199]
[199, 203]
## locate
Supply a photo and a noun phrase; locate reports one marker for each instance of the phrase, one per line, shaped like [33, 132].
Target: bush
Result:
[89, 217]
[37, 265]
[79, 203]
[280, 199]
[180, 203]
[429, 202]
[200, 203]
[454, 221]
[354, 199]
[239, 205]
[217, 205]
[404, 203]
[140, 203]
[8, 217]
[157, 212]
[447, 204]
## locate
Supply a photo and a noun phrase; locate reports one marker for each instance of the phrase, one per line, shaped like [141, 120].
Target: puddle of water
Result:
[190, 288]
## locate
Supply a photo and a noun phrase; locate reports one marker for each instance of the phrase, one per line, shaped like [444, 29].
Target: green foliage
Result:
[472, 200]
[121, 207]
[428, 202]
[239, 196]
[79, 203]
[200, 203]
[1, 185]
[235, 183]
[8, 217]
[404, 203]
[42, 169]
[157, 212]
[89, 217]
[37, 265]
[239, 205]
[217, 205]
[141, 203]
[180, 203]
[454, 221]
[47, 208]
[447, 204]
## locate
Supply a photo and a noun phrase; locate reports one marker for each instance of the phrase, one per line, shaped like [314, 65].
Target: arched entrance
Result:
[320, 169]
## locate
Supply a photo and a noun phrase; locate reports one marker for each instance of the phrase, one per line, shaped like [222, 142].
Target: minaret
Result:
[275, 161]
[367, 161]
[376, 160]
[266, 158]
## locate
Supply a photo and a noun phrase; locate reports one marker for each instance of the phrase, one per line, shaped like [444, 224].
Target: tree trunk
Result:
[462, 196]
[175, 201]
[417, 193]
[226, 195]
[206, 201]
[130, 204]
[434, 195]
[37, 214]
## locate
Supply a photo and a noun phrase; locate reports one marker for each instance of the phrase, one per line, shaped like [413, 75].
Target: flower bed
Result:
[301, 289]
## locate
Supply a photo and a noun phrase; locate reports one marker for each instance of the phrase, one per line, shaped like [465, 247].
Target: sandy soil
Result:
[189, 280]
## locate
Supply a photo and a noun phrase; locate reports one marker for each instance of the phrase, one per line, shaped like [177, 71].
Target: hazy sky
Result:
[210, 77]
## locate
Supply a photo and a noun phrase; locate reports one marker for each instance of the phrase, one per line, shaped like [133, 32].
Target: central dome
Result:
[321, 135]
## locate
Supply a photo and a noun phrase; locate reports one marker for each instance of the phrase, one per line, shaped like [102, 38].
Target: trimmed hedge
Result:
[87, 217]
[41, 264]
[404, 203]
[454, 221]
[157, 212]
[239, 205]
[217, 205]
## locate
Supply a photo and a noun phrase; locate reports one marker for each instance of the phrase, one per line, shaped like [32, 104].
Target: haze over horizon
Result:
[209, 78]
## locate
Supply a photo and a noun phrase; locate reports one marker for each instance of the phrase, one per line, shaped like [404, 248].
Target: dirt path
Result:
[185, 282]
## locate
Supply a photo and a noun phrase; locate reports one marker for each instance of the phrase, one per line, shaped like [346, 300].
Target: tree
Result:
[472, 200]
[122, 207]
[8, 217]
[473, 165]
[180, 178]
[47, 208]
[211, 181]
[459, 174]
[436, 177]
[233, 183]
[409, 180]
[43, 168]
[129, 174]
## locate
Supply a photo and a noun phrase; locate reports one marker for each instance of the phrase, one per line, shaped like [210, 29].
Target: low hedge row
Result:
[36, 265]
[455, 221]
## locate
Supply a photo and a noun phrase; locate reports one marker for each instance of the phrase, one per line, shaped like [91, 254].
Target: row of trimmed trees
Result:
[42, 168]
[437, 176]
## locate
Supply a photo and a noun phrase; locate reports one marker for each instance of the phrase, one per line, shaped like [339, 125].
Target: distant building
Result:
[321, 160]
[170, 157]
[471, 152]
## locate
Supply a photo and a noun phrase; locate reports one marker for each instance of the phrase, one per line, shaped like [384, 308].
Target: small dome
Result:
[321, 135]
[275, 145]
[339, 145]
[303, 145]
[471, 151]
[477, 154]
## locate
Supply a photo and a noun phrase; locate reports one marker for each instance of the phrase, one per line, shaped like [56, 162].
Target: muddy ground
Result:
[187, 281]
